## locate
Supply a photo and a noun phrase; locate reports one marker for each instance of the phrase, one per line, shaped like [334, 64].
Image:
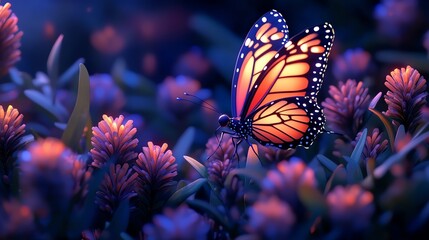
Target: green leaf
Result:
[357, 152]
[201, 169]
[374, 101]
[400, 133]
[211, 211]
[80, 115]
[326, 162]
[53, 64]
[385, 166]
[338, 177]
[254, 174]
[71, 73]
[55, 110]
[387, 126]
[119, 222]
[183, 193]
[16, 77]
[354, 173]
[183, 144]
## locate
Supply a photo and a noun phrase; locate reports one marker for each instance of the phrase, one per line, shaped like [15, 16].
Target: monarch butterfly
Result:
[276, 82]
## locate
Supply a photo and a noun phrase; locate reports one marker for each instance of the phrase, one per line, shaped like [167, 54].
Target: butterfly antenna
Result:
[202, 102]
[197, 103]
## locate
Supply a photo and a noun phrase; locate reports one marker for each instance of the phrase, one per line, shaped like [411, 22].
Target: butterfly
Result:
[276, 82]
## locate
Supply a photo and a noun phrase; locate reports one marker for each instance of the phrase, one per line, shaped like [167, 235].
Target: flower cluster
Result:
[156, 168]
[10, 38]
[406, 97]
[345, 107]
[113, 141]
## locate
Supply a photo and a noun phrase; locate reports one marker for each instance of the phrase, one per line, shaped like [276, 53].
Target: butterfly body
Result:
[276, 82]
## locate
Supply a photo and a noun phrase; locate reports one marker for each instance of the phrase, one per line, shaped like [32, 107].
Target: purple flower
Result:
[271, 218]
[16, 220]
[47, 181]
[222, 158]
[156, 167]
[352, 64]
[287, 178]
[113, 140]
[374, 145]
[180, 223]
[10, 38]
[350, 208]
[345, 107]
[11, 137]
[119, 184]
[406, 97]
[106, 97]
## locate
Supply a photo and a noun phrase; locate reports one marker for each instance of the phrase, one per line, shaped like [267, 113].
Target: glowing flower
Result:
[47, 180]
[351, 207]
[180, 223]
[353, 64]
[11, 136]
[16, 220]
[222, 157]
[107, 40]
[271, 218]
[106, 96]
[345, 108]
[374, 145]
[113, 140]
[406, 97]
[156, 168]
[10, 38]
[118, 185]
[285, 180]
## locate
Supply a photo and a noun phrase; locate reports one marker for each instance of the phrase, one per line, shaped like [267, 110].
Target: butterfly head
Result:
[224, 120]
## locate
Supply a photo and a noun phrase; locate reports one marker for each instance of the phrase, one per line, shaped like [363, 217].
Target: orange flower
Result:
[271, 218]
[351, 207]
[107, 40]
[285, 180]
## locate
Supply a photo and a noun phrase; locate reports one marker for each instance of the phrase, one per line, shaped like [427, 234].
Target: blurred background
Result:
[175, 46]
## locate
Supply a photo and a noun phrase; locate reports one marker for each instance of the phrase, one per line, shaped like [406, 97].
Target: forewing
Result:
[265, 38]
[297, 69]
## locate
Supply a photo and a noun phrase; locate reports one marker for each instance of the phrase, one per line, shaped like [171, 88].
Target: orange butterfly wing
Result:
[267, 36]
[297, 69]
[288, 122]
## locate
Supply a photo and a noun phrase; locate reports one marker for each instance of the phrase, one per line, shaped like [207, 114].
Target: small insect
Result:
[276, 82]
